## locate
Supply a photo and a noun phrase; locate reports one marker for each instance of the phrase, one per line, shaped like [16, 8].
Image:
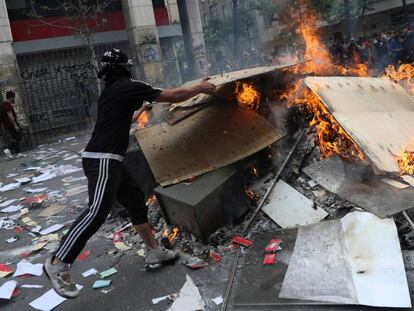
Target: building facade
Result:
[52, 65]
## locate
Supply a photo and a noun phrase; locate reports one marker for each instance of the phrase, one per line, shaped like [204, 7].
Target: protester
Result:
[108, 180]
[8, 119]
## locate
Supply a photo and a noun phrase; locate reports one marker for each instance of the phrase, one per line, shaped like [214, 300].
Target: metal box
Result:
[210, 202]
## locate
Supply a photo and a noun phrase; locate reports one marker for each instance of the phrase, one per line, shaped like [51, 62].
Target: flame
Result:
[173, 235]
[331, 137]
[254, 171]
[247, 95]
[403, 75]
[151, 200]
[405, 161]
[250, 194]
[316, 54]
[143, 119]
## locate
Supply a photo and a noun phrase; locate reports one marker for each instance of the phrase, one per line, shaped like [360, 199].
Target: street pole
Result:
[236, 29]
[404, 7]
[188, 45]
[348, 19]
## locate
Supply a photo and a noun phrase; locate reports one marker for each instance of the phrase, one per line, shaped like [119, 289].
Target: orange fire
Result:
[403, 75]
[143, 119]
[316, 54]
[171, 236]
[247, 96]
[331, 138]
[151, 200]
[405, 161]
[250, 194]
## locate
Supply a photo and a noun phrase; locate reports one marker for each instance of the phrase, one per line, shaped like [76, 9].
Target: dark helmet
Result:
[115, 56]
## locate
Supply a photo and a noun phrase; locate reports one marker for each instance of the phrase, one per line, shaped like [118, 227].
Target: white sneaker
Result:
[159, 256]
[19, 155]
[7, 152]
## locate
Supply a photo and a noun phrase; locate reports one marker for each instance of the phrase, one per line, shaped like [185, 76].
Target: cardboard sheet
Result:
[214, 137]
[289, 208]
[376, 113]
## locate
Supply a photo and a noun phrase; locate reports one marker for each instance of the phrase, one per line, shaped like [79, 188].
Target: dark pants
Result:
[16, 137]
[107, 181]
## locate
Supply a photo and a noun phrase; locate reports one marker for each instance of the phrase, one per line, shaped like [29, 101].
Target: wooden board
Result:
[214, 137]
[226, 78]
[376, 113]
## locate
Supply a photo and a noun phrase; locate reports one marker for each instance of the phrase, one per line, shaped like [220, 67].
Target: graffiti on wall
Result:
[75, 71]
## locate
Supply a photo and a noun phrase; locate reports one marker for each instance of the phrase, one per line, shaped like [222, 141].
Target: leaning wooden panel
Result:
[377, 113]
[212, 138]
[228, 77]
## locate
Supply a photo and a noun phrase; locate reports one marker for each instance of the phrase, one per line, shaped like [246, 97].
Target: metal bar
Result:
[270, 188]
[229, 285]
[232, 274]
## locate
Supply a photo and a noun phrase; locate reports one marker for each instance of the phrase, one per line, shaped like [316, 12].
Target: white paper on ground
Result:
[11, 186]
[25, 267]
[159, 299]
[12, 209]
[89, 273]
[72, 157]
[36, 190]
[43, 177]
[23, 180]
[8, 202]
[52, 229]
[7, 289]
[376, 261]
[218, 300]
[31, 286]
[189, 298]
[289, 208]
[49, 300]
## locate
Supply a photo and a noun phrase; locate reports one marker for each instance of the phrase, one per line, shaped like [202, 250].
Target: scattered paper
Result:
[141, 252]
[89, 273]
[49, 300]
[122, 246]
[159, 299]
[395, 183]
[189, 298]
[82, 256]
[50, 237]
[76, 190]
[72, 157]
[31, 286]
[52, 229]
[4, 270]
[24, 211]
[319, 193]
[7, 289]
[9, 187]
[8, 202]
[101, 284]
[12, 209]
[108, 273]
[218, 300]
[23, 180]
[33, 249]
[12, 239]
[43, 177]
[29, 222]
[36, 190]
[51, 210]
[25, 267]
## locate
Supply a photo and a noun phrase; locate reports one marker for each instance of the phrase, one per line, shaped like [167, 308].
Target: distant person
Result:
[9, 120]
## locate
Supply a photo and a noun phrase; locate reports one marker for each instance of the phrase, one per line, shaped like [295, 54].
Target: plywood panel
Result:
[376, 113]
[214, 137]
